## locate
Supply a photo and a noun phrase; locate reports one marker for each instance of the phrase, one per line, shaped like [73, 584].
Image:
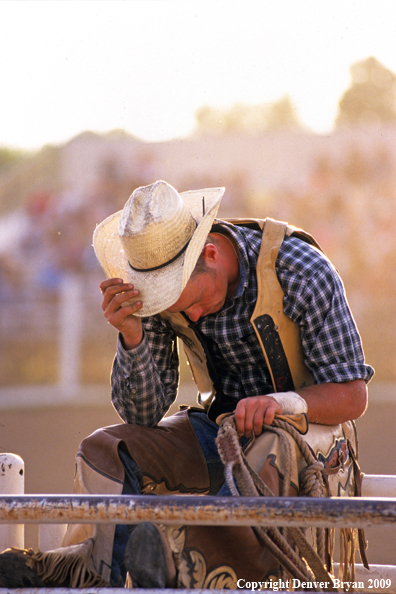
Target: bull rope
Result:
[249, 484]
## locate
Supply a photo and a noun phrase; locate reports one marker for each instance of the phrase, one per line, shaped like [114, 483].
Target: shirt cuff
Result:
[136, 357]
[343, 372]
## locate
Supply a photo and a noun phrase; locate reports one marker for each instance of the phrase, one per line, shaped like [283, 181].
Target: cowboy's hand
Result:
[251, 413]
[115, 293]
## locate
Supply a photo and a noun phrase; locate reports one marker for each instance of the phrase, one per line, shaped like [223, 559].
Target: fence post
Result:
[71, 327]
[12, 482]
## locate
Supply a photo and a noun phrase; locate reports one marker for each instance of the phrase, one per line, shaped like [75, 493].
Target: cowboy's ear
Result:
[210, 253]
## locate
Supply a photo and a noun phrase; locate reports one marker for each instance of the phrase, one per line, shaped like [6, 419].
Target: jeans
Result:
[206, 432]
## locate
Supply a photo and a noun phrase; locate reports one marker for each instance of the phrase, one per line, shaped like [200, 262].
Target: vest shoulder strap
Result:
[259, 224]
[278, 336]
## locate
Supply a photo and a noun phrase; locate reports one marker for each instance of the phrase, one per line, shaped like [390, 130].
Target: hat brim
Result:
[159, 289]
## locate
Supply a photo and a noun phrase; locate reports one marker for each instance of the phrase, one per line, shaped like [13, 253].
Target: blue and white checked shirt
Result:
[145, 379]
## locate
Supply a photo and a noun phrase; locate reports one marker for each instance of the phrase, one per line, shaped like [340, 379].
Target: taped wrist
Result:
[291, 402]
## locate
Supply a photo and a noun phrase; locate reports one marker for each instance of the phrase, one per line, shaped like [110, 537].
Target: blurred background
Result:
[290, 106]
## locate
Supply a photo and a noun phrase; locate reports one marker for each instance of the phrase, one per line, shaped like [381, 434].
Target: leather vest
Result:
[278, 336]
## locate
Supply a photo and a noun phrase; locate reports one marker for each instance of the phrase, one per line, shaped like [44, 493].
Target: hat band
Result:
[165, 263]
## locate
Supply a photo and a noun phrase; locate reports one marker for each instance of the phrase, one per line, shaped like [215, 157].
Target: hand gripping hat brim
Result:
[155, 241]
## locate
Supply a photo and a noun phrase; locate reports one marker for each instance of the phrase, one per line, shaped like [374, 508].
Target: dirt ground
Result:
[47, 440]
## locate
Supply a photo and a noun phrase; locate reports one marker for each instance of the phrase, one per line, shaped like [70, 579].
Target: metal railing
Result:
[359, 512]
[334, 512]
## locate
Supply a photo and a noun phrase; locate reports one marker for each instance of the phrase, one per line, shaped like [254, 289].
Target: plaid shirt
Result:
[145, 380]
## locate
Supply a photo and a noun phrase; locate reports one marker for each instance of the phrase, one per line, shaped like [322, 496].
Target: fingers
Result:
[109, 282]
[116, 293]
[250, 416]
[251, 413]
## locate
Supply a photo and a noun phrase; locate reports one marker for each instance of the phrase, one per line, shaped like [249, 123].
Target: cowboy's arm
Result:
[328, 404]
[144, 380]
[334, 403]
[145, 371]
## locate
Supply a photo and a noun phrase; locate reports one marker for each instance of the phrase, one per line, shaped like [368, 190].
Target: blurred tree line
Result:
[370, 100]
[248, 118]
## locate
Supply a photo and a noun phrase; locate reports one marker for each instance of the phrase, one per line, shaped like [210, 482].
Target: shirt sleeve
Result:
[144, 380]
[314, 298]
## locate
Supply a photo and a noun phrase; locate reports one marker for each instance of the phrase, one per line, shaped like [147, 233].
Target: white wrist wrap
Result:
[291, 403]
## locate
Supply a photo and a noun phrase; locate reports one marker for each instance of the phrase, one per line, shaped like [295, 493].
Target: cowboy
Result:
[264, 320]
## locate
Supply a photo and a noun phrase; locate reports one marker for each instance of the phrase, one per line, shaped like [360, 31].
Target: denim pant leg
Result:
[206, 432]
[132, 486]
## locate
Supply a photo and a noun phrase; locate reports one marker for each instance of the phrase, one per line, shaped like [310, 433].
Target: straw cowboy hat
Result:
[155, 241]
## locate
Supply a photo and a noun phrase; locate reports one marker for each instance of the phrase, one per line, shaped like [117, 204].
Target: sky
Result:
[146, 66]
